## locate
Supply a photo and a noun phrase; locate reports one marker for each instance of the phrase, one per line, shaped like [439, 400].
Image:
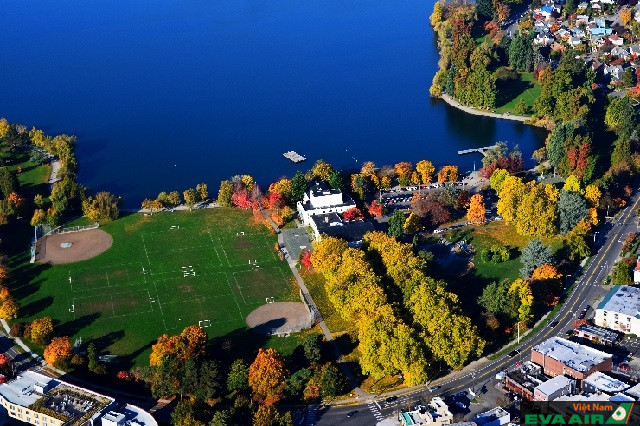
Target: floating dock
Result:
[294, 156]
[480, 150]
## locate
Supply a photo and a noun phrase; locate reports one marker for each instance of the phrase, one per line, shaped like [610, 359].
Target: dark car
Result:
[569, 333]
[433, 389]
[553, 324]
[586, 308]
[391, 398]
[513, 353]
[582, 314]
[352, 413]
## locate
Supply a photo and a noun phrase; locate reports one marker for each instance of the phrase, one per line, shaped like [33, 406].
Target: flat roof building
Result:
[331, 224]
[522, 381]
[620, 310]
[600, 382]
[36, 399]
[596, 335]
[495, 417]
[435, 414]
[559, 356]
[553, 388]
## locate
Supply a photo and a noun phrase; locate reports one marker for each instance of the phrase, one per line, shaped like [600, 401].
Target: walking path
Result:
[55, 167]
[448, 99]
[323, 326]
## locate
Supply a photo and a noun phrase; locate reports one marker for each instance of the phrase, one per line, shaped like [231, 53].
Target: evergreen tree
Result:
[571, 208]
[484, 10]
[521, 53]
[534, 255]
[396, 224]
[298, 186]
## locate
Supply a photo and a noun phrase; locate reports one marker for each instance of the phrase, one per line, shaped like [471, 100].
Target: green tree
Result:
[484, 10]
[496, 179]
[225, 193]
[8, 182]
[621, 116]
[629, 77]
[495, 297]
[185, 414]
[534, 255]
[521, 53]
[221, 418]
[621, 152]
[298, 186]
[335, 180]
[621, 274]
[312, 345]
[331, 380]
[571, 209]
[237, 380]
[297, 381]
[396, 224]
[203, 191]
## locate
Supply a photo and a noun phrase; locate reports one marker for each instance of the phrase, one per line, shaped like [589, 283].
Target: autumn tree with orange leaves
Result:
[448, 174]
[191, 343]
[267, 376]
[476, 212]
[59, 350]
[41, 330]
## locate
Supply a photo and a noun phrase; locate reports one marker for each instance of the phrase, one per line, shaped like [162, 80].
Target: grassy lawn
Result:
[33, 177]
[527, 89]
[163, 273]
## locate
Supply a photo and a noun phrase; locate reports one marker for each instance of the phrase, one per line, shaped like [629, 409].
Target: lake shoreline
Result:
[452, 102]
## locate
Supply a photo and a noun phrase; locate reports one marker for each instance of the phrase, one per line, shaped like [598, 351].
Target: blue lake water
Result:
[163, 95]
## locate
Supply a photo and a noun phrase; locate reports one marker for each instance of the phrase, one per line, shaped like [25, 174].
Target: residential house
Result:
[620, 52]
[614, 71]
[634, 51]
[616, 40]
[574, 41]
[544, 39]
[596, 335]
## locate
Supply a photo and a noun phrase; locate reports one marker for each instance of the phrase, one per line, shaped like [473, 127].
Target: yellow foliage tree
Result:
[39, 217]
[448, 174]
[536, 213]
[59, 349]
[426, 170]
[592, 194]
[368, 169]
[41, 330]
[476, 211]
[523, 290]
[436, 15]
[511, 192]
[282, 187]
[322, 170]
[546, 272]
[415, 178]
[385, 182]
[267, 376]
[412, 224]
[625, 15]
[572, 184]
[403, 171]
[327, 254]
[9, 308]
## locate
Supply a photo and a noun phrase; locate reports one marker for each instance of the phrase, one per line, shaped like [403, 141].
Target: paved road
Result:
[586, 290]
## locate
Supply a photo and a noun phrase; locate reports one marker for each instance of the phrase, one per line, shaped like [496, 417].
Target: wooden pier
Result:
[294, 156]
[480, 150]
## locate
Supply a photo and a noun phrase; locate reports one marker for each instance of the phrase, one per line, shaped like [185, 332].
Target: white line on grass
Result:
[113, 311]
[146, 253]
[233, 296]
[160, 305]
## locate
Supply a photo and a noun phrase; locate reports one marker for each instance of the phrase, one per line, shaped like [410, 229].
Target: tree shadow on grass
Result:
[509, 90]
[34, 307]
[239, 343]
[73, 327]
[103, 342]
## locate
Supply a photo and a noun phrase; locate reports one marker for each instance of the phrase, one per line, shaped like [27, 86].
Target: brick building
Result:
[559, 356]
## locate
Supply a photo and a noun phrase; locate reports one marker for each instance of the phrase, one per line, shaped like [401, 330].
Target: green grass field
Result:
[527, 89]
[164, 272]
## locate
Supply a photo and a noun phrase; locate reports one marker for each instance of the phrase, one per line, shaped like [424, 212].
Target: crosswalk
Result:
[311, 415]
[375, 410]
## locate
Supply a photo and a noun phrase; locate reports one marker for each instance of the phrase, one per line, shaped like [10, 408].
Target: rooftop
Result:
[573, 355]
[332, 225]
[622, 299]
[319, 188]
[605, 383]
[492, 415]
[554, 385]
[599, 332]
[21, 390]
[528, 376]
[137, 416]
[634, 391]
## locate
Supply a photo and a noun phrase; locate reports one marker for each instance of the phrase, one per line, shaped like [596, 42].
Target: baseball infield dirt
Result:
[84, 245]
[279, 317]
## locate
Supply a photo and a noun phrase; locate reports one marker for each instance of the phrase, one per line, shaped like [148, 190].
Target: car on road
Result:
[513, 353]
[582, 314]
[461, 394]
[433, 389]
[461, 404]
[553, 323]
[352, 413]
[569, 333]
[391, 398]
[586, 308]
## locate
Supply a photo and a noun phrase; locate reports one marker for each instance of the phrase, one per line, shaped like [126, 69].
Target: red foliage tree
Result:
[125, 375]
[275, 201]
[305, 259]
[376, 209]
[352, 214]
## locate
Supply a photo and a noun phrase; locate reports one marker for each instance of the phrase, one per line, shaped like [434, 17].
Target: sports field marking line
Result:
[157, 298]
[233, 295]
[214, 244]
[180, 249]
[146, 253]
[70, 282]
[108, 266]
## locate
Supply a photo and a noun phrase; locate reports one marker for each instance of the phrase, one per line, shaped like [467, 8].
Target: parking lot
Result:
[295, 240]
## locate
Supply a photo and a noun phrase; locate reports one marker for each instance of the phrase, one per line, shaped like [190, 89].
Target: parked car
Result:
[352, 413]
[582, 314]
[569, 333]
[623, 367]
[461, 404]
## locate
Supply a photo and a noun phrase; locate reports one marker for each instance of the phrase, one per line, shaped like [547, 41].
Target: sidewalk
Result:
[325, 330]
[448, 99]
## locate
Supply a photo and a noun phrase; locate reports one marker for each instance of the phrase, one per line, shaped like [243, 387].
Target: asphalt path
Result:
[586, 290]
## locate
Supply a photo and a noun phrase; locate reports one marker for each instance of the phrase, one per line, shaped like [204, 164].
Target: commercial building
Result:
[596, 335]
[619, 310]
[561, 357]
[601, 383]
[524, 380]
[435, 414]
[320, 199]
[553, 388]
[36, 399]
